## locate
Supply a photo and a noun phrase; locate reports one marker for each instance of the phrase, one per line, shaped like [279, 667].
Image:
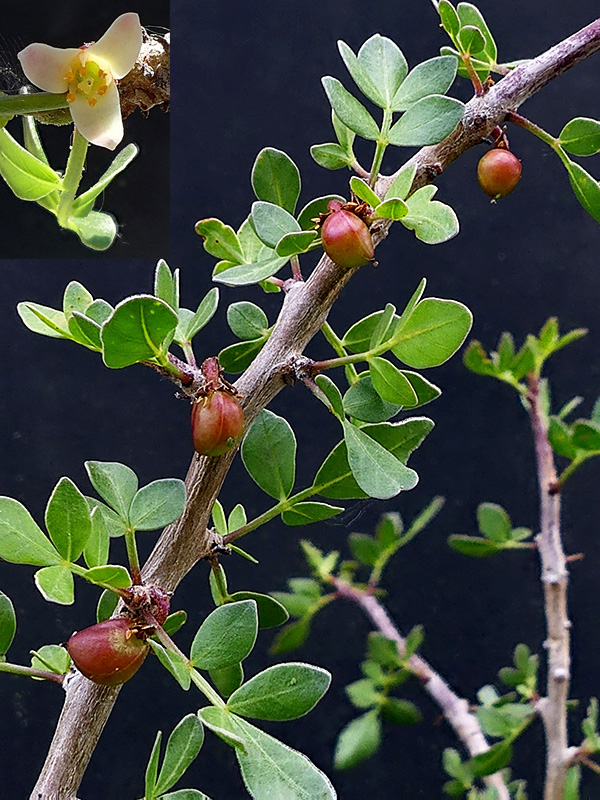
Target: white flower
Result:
[87, 74]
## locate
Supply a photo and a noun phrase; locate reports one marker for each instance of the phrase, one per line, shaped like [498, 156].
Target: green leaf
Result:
[112, 574]
[269, 454]
[308, 512]
[391, 384]
[272, 223]
[494, 523]
[402, 183]
[99, 311]
[51, 657]
[332, 394]
[335, 479]
[433, 333]
[8, 624]
[359, 740]
[152, 769]
[586, 435]
[174, 622]
[469, 14]
[246, 274]
[106, 605]
[362, 402]
[115, 483]
[363, 693]
[360, 75]
[97, 230]
[394, 209]
[76, 298]
[352, 113]
[427, 121]
[434, 76]
[139, 329]
[228, 679]
[281, 692]
[68, 519]
[238, 357]
[400, 712]
[471, 40]
[377, 471]
[433, 222]
[364, 548]
[26, 176]
[84, 331]
[271, 769]
[220, 240]
[85, 202]
[331, 156]
[190, 324]
[364, 192]
[21, 540]
[295, 243]
[311, 211]
[174, 663]
[270, 612]
[291, 637]
[473, 546]
[166, 285]
[493, 760]
[384, 64]
[449, 17]
[115, 525]
[247, 320]
[358, 338]
[219, 519]
[572, 783]
[183, 746]
[56, 584]
[276, 179]
[221, 722]
[157, 504]
[586, 189]
[44, 320]
[424, 389]
[226, 636]
[581, 136]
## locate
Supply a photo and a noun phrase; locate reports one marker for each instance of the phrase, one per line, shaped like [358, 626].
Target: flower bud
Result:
[108, 653]
[498, 172]
[217, 423]
[346, 238]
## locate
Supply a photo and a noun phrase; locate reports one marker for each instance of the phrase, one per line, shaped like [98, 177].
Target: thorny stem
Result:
[305, 309]
[72, 179]
[454, 708]
[553, 707]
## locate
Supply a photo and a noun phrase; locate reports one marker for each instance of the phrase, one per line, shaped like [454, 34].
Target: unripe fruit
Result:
[346, 238]
[108, 653]
[498, 172]
[217, 423]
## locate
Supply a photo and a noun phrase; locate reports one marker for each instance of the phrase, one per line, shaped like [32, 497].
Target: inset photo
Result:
[84, 131]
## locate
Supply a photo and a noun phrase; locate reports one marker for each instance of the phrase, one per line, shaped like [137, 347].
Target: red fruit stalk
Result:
[217, 423]
[498, 172]
[346, 238]
[108, 653]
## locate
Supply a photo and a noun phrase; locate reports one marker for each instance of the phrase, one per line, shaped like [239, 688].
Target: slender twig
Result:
[454, 708]
[553, 707]
[305, 309]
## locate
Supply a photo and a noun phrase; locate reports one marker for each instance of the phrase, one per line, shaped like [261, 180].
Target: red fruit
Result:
[346, 238]
[108, 653]
[498, 172]
[217, 423]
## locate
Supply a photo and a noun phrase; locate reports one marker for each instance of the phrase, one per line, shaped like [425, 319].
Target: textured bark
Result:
[305, 308]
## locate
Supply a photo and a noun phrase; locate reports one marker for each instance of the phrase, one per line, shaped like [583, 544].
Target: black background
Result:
[246, 76]
[139, 197]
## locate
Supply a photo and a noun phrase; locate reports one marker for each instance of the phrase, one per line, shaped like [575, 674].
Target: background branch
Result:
[305, 308]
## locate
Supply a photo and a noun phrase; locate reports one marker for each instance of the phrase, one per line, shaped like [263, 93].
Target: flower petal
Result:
[120, 45]
[47, 66]
[102, 123]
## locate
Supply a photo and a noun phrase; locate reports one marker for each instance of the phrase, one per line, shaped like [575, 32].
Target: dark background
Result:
[247, 76]
[139, 197]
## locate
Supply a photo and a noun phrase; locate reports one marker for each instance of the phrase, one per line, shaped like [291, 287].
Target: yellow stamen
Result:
[92, 101]
[102, 90]
[70, 97]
